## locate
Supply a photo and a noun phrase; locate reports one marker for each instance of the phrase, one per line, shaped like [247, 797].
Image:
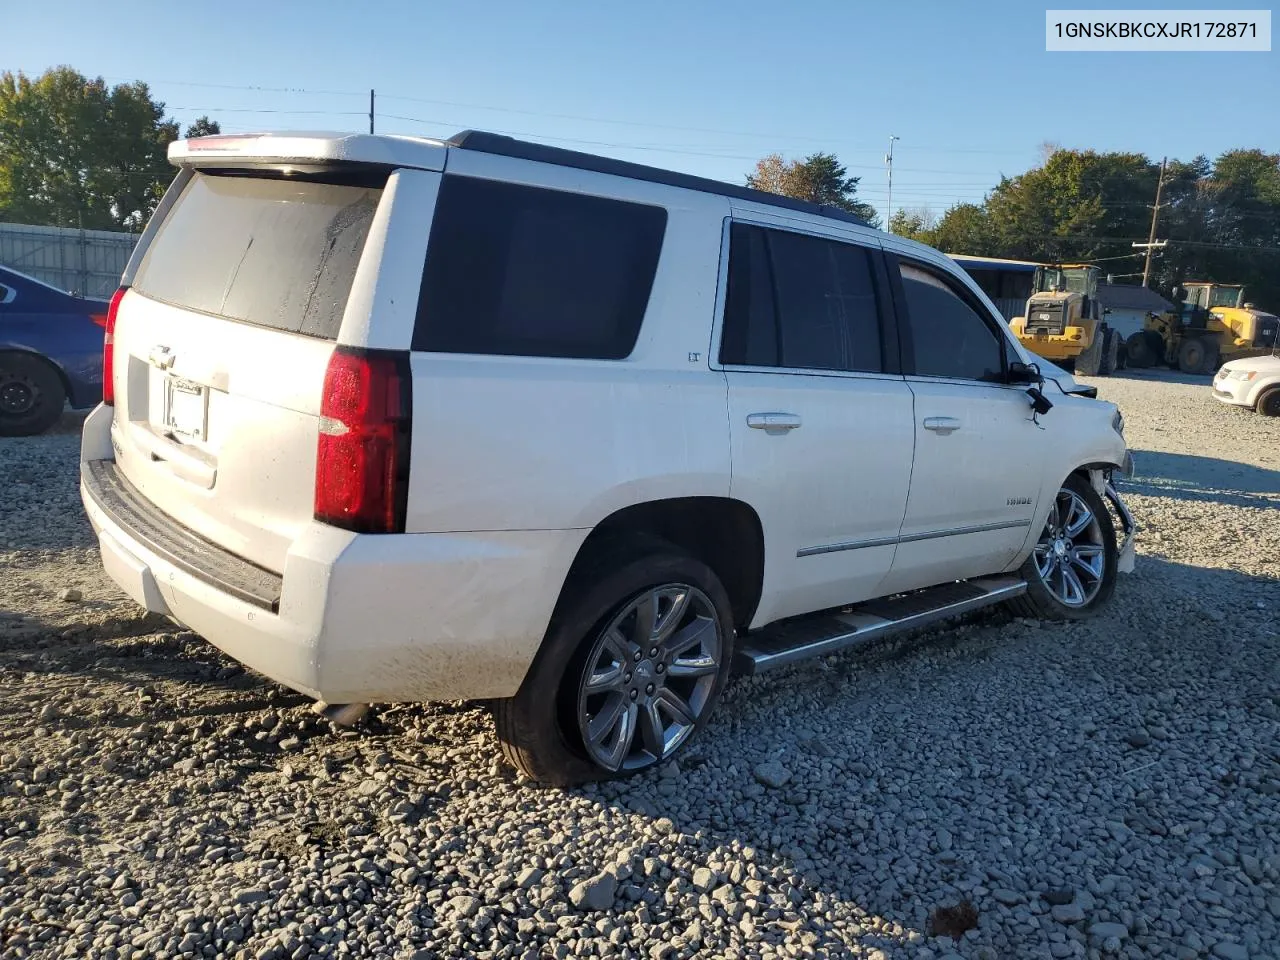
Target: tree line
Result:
[77, 153]
[1221, 218]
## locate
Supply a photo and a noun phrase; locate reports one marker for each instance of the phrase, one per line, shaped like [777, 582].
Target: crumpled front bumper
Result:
[1126, 550]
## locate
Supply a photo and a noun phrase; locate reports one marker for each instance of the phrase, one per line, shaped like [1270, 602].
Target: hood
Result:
[1270, 364]
[1065, 381]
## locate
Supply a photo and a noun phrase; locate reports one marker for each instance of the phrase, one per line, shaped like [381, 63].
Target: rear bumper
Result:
[356, 618]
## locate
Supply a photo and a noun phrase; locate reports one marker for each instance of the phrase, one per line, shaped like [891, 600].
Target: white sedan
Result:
[1253, 382]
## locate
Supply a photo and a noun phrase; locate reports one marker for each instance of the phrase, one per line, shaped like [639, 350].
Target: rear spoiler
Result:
[309, 148]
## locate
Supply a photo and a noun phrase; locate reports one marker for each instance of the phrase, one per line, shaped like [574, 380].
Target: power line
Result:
[229, 86]
[558, 116]
[325, 113]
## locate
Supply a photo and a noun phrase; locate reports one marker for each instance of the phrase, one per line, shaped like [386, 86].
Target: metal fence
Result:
[88, 262]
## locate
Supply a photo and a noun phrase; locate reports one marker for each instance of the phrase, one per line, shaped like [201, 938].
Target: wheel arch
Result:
[1094, 471]
[1264, 391]
[27, 351]
[722, 532]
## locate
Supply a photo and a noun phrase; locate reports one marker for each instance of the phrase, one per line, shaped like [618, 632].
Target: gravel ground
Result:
[1110, 788]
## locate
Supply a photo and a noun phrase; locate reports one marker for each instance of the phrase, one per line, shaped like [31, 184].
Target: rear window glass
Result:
[519, 270]
[273, 252]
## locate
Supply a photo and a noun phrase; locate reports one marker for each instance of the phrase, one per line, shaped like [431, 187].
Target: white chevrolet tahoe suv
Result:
[394, 419]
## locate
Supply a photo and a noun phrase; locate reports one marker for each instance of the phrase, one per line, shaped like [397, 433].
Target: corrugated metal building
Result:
[1007, 282]
[87, 262]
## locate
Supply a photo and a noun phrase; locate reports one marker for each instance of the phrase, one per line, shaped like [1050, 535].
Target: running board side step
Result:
[789, 641]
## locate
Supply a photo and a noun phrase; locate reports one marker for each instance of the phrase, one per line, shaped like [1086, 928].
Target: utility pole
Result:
[1151, 243]
[888, 162]
[371, 111]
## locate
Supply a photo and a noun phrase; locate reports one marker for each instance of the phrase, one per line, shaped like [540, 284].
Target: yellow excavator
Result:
[1064, 321]
[1209, 325]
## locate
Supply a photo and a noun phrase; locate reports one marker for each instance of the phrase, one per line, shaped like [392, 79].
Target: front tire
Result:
[1192, 355]
[1090, 362]
[1269, 403]
[1071, 572]
[31, 395]
[634, 660]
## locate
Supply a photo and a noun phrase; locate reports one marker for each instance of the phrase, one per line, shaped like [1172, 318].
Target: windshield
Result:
[1226, 296]
[1065, 280]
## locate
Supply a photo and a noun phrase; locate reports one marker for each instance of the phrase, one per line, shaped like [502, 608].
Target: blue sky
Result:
[696, 86]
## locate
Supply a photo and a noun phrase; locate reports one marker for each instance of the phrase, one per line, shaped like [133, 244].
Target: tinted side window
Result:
[518, 270]
[948, 337]
[750, 321]
[799, 301]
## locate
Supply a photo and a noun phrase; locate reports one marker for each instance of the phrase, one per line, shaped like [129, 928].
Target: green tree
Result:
[964, 228]
[819, 178]
[914, 224]
[75, 153]
[1076, 206]
[203, 127]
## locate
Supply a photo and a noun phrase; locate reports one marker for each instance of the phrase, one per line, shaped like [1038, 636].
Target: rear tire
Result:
[1110, 353]
[1212, 359]
[1071, 572]
[1192, 355]
[31, 395]
[545, 730]
[1269, 403]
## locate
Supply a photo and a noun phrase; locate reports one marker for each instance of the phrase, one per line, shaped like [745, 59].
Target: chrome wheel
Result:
[1071, 555]
[649, 677]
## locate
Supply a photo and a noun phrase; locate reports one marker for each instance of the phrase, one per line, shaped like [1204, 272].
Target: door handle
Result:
[941, 425]
[773, 422]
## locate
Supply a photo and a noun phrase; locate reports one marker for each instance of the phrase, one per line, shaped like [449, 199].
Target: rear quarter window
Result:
[526, 271]
[270, 251]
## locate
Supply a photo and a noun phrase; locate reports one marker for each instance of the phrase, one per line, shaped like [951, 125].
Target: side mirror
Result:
[1024, 373]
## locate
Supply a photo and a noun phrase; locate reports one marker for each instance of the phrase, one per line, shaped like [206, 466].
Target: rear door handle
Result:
[942, 425]
[773, 422]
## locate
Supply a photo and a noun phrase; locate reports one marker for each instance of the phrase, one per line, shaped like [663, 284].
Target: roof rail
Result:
[505, 146]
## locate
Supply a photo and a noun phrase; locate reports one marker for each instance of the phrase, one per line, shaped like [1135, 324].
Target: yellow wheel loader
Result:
[1210, 325]
[1065, 323]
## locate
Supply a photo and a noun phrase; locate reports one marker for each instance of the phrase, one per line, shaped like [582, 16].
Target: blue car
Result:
[50, 353]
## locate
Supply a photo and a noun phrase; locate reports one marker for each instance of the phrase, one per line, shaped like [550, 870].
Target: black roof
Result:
[1127, 297]
[505, 146]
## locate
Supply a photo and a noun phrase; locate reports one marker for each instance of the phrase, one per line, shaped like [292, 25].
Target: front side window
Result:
[948, 337]
[799, 301]
[525, 271]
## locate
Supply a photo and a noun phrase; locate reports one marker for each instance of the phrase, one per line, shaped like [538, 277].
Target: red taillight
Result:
[109, 349]
[362, 458]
